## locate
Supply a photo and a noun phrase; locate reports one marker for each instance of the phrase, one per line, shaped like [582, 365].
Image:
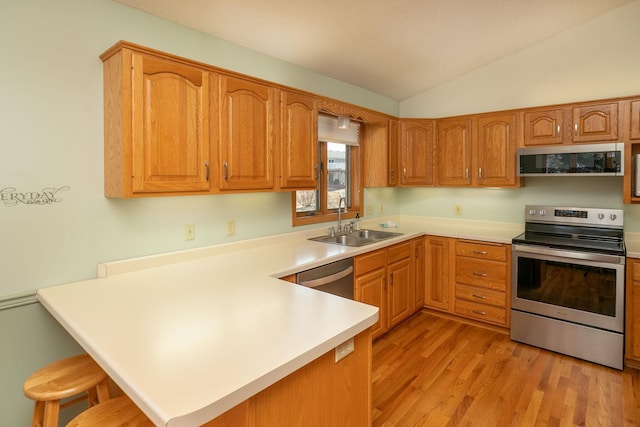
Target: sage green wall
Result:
[594, 60]
[51, 133]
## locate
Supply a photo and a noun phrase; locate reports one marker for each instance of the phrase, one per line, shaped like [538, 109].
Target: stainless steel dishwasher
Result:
[335, 278]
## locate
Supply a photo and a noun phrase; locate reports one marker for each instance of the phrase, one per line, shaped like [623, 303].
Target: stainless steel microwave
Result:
[572, 160]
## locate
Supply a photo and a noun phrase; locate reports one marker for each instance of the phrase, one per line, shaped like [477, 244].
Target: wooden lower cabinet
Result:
[400, 280]
[419, 272]
[469, 279]
[482, 272]
[632, 333]
[386, 278]
[370, 285]
[322, 393]
[439, 263]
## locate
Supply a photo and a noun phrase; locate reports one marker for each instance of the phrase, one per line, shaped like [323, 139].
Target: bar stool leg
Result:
[51, 413]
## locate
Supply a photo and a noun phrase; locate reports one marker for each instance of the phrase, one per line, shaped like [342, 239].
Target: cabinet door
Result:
[544, 127]
[370, 288]
[496, 152]
[632, 334]
[299, 142]
[437, 285]
[375, 153]
[247, 134]
[419, 272]
[170, 126]
[454, 152]
[417, 150]
[400, 282]
[595, 123]
[393, 153]
[634, 132]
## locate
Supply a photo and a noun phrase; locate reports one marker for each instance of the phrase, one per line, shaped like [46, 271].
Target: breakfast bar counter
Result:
[192, 334]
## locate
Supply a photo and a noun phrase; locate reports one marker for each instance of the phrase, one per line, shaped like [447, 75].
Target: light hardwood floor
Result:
[434, 371]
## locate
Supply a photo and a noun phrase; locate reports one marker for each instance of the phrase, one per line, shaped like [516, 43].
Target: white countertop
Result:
[189, 335]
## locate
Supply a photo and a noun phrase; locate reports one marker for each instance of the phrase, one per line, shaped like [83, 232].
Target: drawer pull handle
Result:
[479, 296]
[475, 273]
[481, 313]
[480, 252]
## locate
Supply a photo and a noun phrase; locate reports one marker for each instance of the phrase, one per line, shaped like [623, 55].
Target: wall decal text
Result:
[11, 197]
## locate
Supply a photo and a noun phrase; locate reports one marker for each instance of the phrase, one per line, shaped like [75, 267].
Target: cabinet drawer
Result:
[398, 252]
[481, 295]
[483, 312]
[496, 252]
[488, 274]
[369, 262]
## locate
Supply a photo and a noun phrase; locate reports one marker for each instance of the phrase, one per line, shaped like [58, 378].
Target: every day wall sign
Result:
[9, 196]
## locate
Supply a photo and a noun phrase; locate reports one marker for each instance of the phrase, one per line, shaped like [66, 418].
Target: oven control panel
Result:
[571, 215]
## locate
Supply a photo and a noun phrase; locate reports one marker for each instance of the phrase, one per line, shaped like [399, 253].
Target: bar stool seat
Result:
[119, 411]
[73, 376]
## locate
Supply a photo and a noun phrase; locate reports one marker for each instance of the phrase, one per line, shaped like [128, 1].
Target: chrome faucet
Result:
[342, 199]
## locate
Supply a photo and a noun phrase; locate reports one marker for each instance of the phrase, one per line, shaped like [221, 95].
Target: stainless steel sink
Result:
[356, 238]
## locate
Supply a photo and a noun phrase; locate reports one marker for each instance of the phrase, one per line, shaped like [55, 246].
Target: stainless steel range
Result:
[568, 282]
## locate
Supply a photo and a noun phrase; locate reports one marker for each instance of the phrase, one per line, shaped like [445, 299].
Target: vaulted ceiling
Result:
[396, 48]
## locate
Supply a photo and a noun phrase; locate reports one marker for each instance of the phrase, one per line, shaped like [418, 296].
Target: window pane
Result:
[306, 200]
[337, 174]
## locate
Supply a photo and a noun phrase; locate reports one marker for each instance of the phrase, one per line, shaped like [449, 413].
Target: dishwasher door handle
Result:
[327, 279]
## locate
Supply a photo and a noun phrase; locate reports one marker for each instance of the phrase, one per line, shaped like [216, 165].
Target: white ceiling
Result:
[396, 48]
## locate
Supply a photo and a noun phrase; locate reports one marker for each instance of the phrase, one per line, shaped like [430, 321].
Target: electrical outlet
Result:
[368, 210]
[189, 231]
[231, 227]
[344, 349]
[458, 210]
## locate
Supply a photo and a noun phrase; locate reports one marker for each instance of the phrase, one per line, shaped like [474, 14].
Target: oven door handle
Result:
[562, 253]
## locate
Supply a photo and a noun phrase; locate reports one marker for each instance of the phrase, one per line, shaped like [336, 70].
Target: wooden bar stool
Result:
[76, 375]
[119, 411]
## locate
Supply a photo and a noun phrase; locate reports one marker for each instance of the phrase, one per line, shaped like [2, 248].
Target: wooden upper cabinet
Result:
[594, 123]
[299, 141]
[379, 153]
[394, 135]
[496, 158]
[156, 124]
[577, 123]
[248, 117]
[417, 152]
[634, 131]
[544, 127]
[454, 152]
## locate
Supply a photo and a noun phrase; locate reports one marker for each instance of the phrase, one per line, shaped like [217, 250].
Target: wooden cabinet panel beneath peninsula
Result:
[157, 118]
[345, 388]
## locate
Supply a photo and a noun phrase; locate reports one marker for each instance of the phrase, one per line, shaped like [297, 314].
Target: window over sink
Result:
[339, 168]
